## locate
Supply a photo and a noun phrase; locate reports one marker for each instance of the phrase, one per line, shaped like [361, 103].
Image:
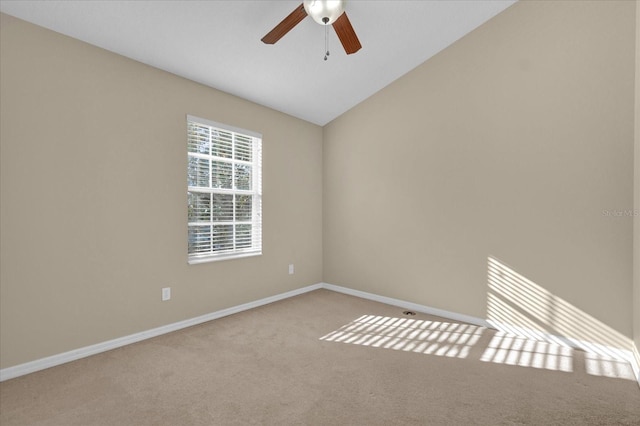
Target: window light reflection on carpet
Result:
[410, 335]
[514, 350]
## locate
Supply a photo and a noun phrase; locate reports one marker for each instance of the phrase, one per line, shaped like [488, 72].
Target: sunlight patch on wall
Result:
[448, 339]
[513, 300]
[519, 307]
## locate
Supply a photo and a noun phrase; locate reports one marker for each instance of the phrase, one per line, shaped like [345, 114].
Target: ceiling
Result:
[217, 43]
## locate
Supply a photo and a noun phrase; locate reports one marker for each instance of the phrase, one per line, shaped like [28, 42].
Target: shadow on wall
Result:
[519, 307]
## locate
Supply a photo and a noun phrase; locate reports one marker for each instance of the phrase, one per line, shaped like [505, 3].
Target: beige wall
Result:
[477, 183]
[636, 227]
[93, 197]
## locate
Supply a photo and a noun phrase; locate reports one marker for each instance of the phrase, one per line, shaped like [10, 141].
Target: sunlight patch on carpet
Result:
[439, 338]
[606, 366]
[515, 350]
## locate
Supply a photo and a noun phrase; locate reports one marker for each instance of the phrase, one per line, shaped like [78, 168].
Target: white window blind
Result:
[224, 190]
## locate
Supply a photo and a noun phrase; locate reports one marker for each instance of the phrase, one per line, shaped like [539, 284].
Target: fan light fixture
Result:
[324, 12]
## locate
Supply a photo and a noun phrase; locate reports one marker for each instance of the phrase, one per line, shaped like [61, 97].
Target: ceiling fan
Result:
[324, 12]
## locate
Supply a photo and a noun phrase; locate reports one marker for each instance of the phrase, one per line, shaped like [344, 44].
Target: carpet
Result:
[325, 358]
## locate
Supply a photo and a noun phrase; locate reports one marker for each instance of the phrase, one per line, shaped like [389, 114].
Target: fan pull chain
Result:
[326, 38]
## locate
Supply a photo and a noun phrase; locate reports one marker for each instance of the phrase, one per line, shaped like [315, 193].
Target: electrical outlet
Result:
[166, 294]
[291, 269]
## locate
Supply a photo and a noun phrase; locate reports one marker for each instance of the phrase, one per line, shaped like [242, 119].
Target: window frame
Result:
[255, 249]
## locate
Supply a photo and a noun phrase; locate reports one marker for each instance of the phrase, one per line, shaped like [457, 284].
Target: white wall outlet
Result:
[166, 294]
[291, 270]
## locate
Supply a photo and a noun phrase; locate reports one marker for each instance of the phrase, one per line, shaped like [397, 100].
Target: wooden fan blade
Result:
[346, 34]
[286, 25]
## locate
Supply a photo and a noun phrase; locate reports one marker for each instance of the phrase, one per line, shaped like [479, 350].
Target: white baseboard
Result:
[409, 305]
[633, 357]
[52, 361]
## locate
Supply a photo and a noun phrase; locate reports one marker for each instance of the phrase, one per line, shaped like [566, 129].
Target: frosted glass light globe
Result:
[321, 9]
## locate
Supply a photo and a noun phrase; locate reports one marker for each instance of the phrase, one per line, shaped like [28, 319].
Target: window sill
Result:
[216, 258]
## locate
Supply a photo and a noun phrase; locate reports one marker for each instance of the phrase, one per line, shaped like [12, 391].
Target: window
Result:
[224, 190]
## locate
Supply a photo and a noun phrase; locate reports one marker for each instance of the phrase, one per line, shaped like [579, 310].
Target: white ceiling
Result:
[217, 43]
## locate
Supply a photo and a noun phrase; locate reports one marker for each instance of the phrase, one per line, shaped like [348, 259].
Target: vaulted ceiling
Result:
[217, 43]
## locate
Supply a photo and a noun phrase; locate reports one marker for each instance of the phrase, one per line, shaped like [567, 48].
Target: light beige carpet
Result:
[325, 358]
